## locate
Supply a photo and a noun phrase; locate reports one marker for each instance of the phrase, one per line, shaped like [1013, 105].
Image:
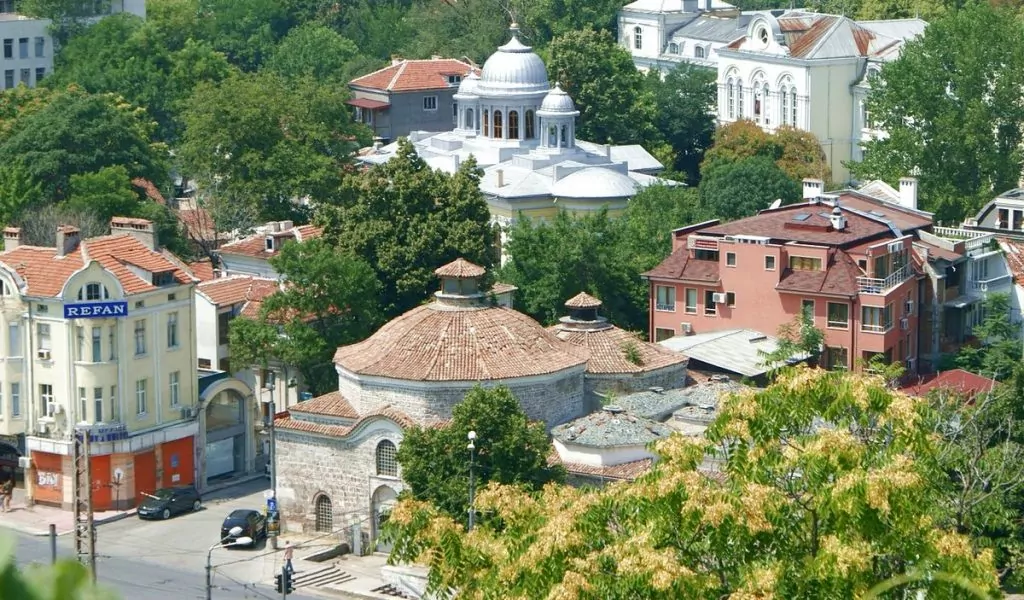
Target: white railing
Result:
[983, 285]
[874, 285]
[665, 307]
[957, 233]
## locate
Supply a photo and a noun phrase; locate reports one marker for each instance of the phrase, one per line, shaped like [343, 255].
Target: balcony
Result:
[665, 307]
[881, 287]
[973, 240]
[984, 285]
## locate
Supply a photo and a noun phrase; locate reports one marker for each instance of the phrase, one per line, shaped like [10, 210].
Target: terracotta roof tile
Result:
[403, 420]
[460, 268]
[779, 225]
[436, 343]
[839, 278]
[151, 192]
[623, 472]
[255, 245]
[503, 288]
[679, 265]
[199, 225]
[331, 404]
[954, 380]
[583, 300]
[202, 269]
[237, 289]
[1013, 250]
[937, 252]
[606, 350]
[414, 75]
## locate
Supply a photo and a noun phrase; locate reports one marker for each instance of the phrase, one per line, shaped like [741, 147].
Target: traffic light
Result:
[289, 587]
[279, 583]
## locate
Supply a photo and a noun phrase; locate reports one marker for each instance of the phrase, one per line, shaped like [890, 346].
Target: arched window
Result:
[387, 464]
[739, 98]
[766, 110]
[673, 48]
[792, 106]
[759, 99]
[698, 51]
[565, 137]
[497, 124]
[528, 123]
[638, 37]
[93, 291]
[730, 98]
[786, 100]
[469, 124]
[513, 125]
[486, 124]
[324, 520]
[552, 136]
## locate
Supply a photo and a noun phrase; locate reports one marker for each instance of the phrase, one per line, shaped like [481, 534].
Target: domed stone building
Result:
[522, 131]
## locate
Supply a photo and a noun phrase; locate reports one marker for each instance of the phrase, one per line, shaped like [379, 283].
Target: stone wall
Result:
[669, 378]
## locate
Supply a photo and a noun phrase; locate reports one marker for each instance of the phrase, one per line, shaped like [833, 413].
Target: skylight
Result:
[801, 217]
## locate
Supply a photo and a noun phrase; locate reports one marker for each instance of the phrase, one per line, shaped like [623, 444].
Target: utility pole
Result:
[85, 532]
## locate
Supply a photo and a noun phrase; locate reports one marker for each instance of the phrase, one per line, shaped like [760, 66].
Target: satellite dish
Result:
[776, 204]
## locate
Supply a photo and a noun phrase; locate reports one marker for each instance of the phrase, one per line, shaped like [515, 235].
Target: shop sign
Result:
[88, 310]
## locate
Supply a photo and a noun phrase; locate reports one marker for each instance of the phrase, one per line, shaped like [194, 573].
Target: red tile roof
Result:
[255, 245]
[151, 192]
[237, 289]
[202, 269]
[679, 265]
[414, 75]
[1014, 252]
[937, 252]
[780, 226]
[331, 404]
[401, 419]
[583, 300]
[956, 380]
[839, 277]
[622, 472]
[901, 217]
[606, 350]
[460, 268]
[367, 103]
[199, 225]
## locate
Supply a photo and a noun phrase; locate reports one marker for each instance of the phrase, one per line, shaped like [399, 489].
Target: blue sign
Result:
[92, 310]
[272, 505]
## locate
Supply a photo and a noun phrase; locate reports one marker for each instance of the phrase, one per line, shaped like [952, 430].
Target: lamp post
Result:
[472, 451]
[269, 384]
[242, 541]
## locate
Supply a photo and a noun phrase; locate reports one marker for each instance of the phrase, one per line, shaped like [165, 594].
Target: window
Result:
[730, 298]
[430, 103]
[454, 79]
[1003, 221]
[730, 259]
[40, 74]
[528, 125]
[661, 333]
[40, 47]
[701, 254]
[324, 520]
[455, 113]
[513, 125]
[22, 47]
[876, 319]
[172, 330]
[762, 35]
[739, 99]
[638, 38]
[673, 48]
[140, 304]
[9, 48]
[83, 405]
[836, 358]
[1018, 220]
[691, 301]
[15, 399]
[486, 123]
[140, 337]
[97, 346]
[709, 303]
[112, 339]
[26, 76]
[45, 398]
[13, 339]
[804, 263]
[92, 292]
[698, 51]
[807, 307]
[769, 263]
[175, 379]
[8, 79]
[759, 98]
[97, 404]
[223, 327]
[140, 397]
[838, 315]
[172, 297]
[43, 336]
[387, 465]
[666, 298]
[115, 407]
[497, 124]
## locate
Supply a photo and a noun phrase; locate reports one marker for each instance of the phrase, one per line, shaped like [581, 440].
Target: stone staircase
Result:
[390, 590]
[324, 576]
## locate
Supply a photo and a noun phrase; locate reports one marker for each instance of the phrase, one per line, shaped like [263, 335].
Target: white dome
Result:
[513, 69]
[557, 102]
[468, 86]
[594, 182]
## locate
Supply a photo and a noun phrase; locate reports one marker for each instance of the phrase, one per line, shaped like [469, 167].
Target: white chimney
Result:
[837, 218]
[501, 177]
[12, 238]
[286, 225]
[140, 229]
[908, 192]
[813, 188]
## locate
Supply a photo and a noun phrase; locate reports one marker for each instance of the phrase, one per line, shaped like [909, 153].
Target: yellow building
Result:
[98, 333]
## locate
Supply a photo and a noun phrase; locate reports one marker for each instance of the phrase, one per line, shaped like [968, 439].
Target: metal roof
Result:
[735, 350]
[710, 28]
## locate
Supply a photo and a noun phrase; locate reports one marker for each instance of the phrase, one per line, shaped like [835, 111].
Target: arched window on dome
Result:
[552, 137]
[513, 125]
[497, 124]
[470, 123]
[528, 125]
[565, 137]
[486, 124]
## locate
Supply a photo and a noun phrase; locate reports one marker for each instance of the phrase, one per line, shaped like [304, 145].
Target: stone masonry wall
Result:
[669, 378]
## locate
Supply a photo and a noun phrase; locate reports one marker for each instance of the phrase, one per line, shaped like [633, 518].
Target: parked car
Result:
[165, 502]
[252, 523]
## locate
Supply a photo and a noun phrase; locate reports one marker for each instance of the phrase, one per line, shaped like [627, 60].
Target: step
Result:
[320, 577]
[390, 590]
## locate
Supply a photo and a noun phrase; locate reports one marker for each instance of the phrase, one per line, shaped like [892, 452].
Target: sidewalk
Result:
[36, 520]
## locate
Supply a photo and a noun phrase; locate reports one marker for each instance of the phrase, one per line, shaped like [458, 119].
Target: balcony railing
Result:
[880, 287]
[957, 233]
[665, 307]
[983, 285]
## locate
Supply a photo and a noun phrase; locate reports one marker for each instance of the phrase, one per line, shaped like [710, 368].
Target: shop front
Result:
[227, 426]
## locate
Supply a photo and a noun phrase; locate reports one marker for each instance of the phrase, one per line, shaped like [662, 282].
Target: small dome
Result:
[594, 182]
[514, 68]
[583, 300]
[460, 268]
[468, 86]
[558, 102]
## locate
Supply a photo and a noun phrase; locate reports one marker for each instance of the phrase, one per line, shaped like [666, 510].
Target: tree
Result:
[797, 510]
[684, 103]
[315, 51]
[75, 133]
[18, 192]
[510, 450]
[329, 300]
[548, 19]
[796, 152]
[605, 85]
[244, 30]
[953, 112]
[470, 28]
[264, 141]
[39, 224]
[740, 189]
[406, 220]
[375, 25]
[107, 193]
[798, 337]
[999, 350]
[63, 580]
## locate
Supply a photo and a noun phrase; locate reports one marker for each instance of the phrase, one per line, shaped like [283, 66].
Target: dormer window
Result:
[454, 79]
[270, 243]
[93, 292]
[698, 52]
[673, 48]
[762, 35]
[163, 278]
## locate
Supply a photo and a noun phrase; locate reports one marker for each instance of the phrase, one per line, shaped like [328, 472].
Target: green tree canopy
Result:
[316, 51]
[796, 511]
[244, 30]
[684, 114]
[740, 189]
[509, 450]
[605, 85]
[796, 152]
[998, 352]
[952, 108]
[406, 220]
[65, 580]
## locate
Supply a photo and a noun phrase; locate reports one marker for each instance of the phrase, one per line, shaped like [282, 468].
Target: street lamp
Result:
[269, 385]
[238, 541]
[471, 446]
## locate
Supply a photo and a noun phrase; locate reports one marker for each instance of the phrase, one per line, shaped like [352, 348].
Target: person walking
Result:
[8, 493]
[289, 550]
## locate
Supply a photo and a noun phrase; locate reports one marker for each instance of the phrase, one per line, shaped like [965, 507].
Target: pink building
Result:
[848, 257]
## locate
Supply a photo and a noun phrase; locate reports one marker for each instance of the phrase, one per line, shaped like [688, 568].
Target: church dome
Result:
[467, 89]
[514, 69]
[557, 102]
[594, 182]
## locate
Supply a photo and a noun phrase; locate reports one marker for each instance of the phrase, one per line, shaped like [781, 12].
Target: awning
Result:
[961, 301]
[367, 103]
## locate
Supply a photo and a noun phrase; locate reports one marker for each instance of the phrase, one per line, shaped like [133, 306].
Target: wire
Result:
[319, 537]
[248, 587]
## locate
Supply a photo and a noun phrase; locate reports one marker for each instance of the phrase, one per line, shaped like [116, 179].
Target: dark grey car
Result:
[166, 502]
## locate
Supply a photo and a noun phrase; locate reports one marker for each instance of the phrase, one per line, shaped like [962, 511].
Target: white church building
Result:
[777, 68]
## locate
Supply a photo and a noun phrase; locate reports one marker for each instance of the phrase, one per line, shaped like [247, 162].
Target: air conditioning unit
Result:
[904, 323]
[24, 462]
[908, 308]
[43, 354]
[188, 412]
[719, 297]
[911, 364]
[686, 328]
[53, 408]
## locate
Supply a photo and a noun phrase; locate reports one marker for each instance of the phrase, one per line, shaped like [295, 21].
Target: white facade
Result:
[660, 34]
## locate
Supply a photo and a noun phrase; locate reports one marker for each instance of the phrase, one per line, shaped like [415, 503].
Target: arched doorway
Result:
[226, 435]
[324, 514]
[383, 500]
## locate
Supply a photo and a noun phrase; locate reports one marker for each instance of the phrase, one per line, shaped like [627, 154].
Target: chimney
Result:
[908, 192]
[837, 218]
[140, 229]
[396, 60]
[813, 188]
[67, 239]
[273, 227]
[501, 177]
[12, 238]
[287, 225]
